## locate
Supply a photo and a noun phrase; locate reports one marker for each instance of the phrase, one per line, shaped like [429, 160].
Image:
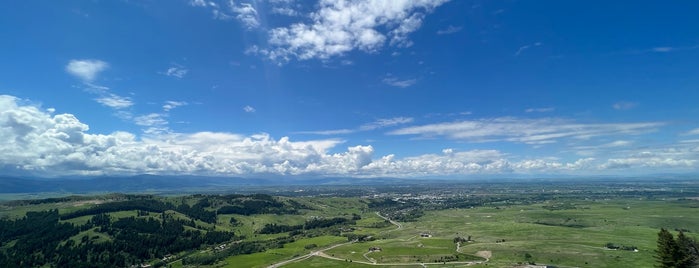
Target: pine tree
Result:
[667, 250]
[676, 253]
[686, 252]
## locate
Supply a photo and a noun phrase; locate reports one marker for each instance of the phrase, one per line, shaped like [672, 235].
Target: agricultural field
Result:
[437, 227]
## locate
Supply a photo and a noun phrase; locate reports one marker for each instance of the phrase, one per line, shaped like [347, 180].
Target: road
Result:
[313, 253]
[397, 224]
[321, 253]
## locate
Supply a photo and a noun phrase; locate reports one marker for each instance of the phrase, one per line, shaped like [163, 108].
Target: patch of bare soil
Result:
[484, 254]
[82, 203]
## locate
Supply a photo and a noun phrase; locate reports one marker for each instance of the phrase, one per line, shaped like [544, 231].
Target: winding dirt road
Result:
[321, 253]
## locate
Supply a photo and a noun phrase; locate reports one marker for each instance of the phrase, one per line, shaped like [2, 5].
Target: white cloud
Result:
[95, 89]
[115, 101]
[525, 47]
[393, 81]
[386, 122]
[87, 70]
[341, 26]
[619, 143]
[176, 71]
[450, 30]
[378, 124]
[284, 7]
[529, 131]
[540, 110]
[663, 49]
[245, 13]
[692, 132]
[605, 148]
[287, 11]
[197, 3]
[624, 105]
[656, 159]
[154, 123]
[42, 143]
[150, 120]
[169, 105]
[328, 132]
[249, 109]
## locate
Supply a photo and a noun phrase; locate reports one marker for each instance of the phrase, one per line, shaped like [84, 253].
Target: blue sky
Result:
[428, 88]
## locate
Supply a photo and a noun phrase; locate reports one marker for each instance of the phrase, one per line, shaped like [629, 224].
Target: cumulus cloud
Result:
[87, 69]
[529, 131]
[115, 101]
[43, 142]
[341, 26]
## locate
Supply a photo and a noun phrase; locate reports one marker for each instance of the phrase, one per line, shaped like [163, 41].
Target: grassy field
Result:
[539, 233]
[263, 259]
[560, 232]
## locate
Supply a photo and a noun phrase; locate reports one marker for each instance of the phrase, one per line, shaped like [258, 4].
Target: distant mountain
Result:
[140, 183]
[155, 183]
[163, 184]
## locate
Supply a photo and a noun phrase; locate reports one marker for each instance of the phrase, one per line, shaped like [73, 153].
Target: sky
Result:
[349, 88]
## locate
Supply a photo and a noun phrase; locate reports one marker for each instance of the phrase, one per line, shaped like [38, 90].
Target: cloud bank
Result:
[39, 142]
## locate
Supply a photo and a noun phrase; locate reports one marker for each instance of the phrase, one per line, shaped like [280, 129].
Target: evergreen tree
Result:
[686, 255]
[667, 250]
[676, 253]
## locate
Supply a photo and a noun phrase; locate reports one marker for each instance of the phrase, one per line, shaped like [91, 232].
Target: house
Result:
[372, 249]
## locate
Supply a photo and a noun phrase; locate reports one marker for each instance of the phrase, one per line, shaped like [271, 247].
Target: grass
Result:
[564, 233]
[323, 262]
[92, 234]
[289, 250]
[573, 237]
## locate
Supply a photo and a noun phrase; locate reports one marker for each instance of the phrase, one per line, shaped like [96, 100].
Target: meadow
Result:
[497, 230]
[570, 233]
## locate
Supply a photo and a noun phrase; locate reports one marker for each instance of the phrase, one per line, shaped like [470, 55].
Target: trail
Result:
[397, 224]
[371, 261]
[313, 253]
